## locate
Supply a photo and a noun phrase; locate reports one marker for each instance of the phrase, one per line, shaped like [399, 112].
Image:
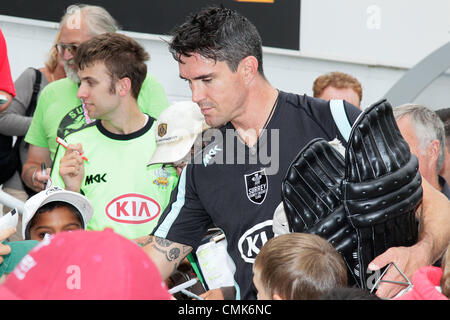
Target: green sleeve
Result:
[152, 97]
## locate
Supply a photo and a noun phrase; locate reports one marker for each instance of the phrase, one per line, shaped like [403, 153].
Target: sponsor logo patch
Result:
[162, 129]
[133, 208]
[71, 122]
[256, 185]
[162, 179]
[253, 239]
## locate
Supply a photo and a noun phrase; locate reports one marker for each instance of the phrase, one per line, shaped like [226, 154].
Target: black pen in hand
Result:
[43, 172]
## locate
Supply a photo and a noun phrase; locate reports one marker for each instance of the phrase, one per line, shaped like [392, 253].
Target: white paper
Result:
[9, 220]
[216, 265]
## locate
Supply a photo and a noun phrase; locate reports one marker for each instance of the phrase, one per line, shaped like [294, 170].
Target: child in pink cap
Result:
[85, 265]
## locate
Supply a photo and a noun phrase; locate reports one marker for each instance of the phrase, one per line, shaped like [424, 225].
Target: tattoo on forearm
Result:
[174, 253]
[171, 255]
[160, 250]
[162, 245]
[149, 240]
[163, 242]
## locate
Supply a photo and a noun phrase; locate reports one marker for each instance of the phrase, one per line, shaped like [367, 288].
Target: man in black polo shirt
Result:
[235, 183]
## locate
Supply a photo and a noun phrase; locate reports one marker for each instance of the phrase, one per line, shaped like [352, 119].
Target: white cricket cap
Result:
[52, 194]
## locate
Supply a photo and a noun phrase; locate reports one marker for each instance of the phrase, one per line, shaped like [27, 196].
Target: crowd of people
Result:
[139, 185]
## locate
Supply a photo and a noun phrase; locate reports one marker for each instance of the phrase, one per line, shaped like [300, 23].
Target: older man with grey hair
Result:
[444, 114]
[80, 23]
[58, 110]
[424, 132]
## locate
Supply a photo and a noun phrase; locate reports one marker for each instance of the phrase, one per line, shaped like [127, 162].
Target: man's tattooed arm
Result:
[167, 255]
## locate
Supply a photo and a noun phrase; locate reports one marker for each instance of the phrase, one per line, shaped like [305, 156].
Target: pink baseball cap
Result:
[85, 265]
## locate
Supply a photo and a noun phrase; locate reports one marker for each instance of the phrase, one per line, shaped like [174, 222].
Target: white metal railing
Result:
[10, 201]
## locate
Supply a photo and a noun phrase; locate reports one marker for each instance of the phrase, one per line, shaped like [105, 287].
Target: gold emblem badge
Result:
[162, 129]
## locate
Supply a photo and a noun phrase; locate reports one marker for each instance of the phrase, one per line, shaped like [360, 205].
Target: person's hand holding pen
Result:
[40, 177]
[71, 167]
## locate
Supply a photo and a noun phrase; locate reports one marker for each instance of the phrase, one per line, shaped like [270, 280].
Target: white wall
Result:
[29, 41]
[375, 41]
[377, 32]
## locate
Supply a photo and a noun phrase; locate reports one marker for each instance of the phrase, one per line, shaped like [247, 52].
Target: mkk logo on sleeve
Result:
[133, 208]
[256, 185]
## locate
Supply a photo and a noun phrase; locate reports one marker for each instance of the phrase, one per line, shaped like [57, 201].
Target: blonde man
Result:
[298, 266]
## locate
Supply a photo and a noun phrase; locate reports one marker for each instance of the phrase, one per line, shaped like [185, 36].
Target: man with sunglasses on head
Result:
[59, 111]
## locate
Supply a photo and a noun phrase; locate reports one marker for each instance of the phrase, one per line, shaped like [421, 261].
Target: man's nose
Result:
[198, 93]
[67, 54]
[82, 93]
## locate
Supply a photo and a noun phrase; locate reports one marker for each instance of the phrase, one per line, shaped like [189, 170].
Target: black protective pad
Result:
[311, 194]
[382, 185]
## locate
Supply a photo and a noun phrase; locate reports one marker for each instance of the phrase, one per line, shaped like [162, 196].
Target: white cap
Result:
[176, 130]
[280, 223]
[52, 194]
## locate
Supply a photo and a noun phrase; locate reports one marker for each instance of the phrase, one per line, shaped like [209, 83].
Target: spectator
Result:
[298, 266]
[7, 89]
[126, 195]
[430, 282]
[444, 114]
[7, 92]
[230, 189]
[82, 265]
[54, 210]
[424, 132]
[18, 250]
[16, 120]
[4, 234]
[338, 85]
[59, 111]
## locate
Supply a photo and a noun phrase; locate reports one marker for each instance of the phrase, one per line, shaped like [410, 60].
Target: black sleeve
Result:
[184, 220]
[320, 112]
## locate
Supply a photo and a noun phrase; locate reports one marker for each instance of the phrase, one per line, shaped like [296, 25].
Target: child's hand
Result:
[5, 249]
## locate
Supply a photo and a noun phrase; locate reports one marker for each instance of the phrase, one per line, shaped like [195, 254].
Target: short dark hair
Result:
[49, 207]
[122, 56]
[219, 34]
[444, 114]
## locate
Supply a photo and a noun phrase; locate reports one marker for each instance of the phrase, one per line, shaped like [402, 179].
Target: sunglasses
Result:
[62, 47]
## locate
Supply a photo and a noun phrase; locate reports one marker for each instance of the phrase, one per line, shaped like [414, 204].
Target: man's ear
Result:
[249, 69]
[433, 149]
[123, 86]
